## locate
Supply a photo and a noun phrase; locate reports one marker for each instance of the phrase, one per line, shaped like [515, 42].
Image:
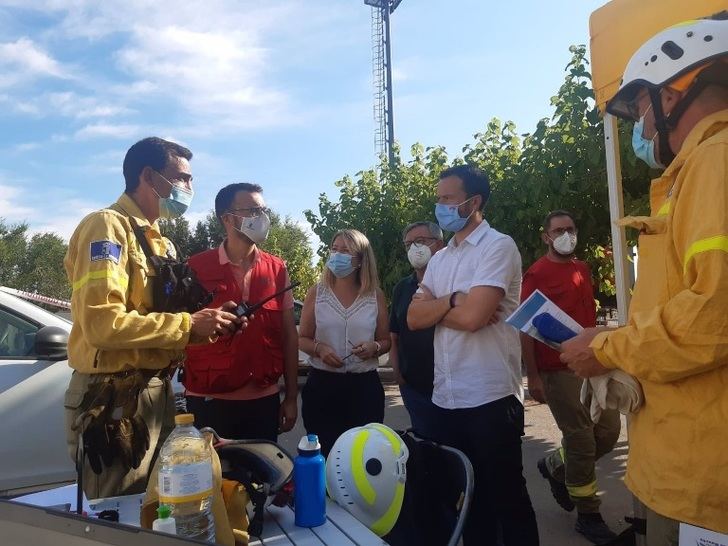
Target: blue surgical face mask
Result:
[340, 264]
[177, 203]
[644, 148]
[449, 218]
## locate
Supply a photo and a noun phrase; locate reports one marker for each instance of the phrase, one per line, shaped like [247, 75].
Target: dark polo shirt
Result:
[415, 349]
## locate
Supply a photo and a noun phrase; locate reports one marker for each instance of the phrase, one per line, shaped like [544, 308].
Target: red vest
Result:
[256, 354]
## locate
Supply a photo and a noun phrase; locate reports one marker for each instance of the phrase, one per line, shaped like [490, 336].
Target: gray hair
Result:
[434, 229]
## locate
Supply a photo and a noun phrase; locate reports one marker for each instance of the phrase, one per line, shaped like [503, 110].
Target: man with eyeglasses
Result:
[569, 469]
[123, 345]
[412, 353]
[233, 385]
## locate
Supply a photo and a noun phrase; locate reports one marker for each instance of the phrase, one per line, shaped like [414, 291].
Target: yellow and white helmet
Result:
[673, 57]
[366, 472]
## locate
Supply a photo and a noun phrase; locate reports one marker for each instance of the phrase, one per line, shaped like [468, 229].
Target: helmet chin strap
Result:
[664, 124]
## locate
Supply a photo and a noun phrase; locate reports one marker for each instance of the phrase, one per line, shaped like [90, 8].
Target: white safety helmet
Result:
[365, 474]
[666, 57]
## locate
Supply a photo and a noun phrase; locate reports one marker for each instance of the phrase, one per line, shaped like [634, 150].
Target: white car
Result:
[34, 374]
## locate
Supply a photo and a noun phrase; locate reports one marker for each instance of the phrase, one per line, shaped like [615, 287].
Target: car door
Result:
[32, 446]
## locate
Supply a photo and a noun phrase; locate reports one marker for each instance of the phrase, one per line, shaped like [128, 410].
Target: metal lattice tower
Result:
[379, 81]
[382, 76]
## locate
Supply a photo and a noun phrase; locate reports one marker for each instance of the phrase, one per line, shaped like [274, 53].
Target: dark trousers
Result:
[490, 435]
[237, 419]
[332, 403]
[423, 413]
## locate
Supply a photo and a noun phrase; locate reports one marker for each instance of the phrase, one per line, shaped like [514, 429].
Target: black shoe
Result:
[558, 489]
[592, 526]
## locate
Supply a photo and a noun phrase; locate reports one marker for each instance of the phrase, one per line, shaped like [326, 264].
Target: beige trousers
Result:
[583, 442]
[155, 406]
[661, 531]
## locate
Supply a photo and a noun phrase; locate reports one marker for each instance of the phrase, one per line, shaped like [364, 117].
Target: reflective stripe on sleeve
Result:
[719, 242]
[121, 278]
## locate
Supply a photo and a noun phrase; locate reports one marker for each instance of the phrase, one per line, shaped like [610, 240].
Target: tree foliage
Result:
[560, 165]
[33, 263]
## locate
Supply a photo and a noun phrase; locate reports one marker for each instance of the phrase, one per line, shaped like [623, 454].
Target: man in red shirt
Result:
[570, 469]
[232, 385]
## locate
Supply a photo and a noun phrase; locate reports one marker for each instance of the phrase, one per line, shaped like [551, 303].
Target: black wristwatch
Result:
[452, 299]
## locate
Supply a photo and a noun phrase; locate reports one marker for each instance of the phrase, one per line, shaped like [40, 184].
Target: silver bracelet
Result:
[379, 347]
[315, 347]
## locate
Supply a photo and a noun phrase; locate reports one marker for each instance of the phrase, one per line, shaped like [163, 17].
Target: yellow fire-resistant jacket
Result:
[113, 329]
[676, 340]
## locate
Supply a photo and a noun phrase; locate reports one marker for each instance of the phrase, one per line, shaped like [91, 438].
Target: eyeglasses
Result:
[427, 241]
[633, 107]
[251, 212]
[561, 231]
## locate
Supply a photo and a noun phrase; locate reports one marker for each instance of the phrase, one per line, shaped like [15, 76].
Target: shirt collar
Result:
[475, 236]
[705, 128]
[225, 259]
[129, 206]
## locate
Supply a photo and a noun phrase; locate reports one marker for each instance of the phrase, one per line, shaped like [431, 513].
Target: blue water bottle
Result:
[309, 476]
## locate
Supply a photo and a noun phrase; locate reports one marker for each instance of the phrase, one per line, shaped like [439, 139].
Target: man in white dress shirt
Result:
[478, 357]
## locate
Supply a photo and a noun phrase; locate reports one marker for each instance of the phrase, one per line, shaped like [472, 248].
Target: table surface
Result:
[279, 528]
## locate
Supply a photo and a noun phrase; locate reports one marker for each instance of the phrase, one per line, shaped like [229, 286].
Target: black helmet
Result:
[262, 466]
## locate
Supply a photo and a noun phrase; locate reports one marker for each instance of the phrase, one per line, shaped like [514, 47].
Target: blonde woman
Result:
[344, 328]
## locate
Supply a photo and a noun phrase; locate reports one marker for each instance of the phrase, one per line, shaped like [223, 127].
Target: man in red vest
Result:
[232, 385]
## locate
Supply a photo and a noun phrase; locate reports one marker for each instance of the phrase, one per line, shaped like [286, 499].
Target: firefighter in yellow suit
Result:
[675, 88]
[120, 400]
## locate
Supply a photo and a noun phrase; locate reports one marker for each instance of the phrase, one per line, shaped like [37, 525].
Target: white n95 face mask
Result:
[419, 255]
[255, 228]
[565, 243]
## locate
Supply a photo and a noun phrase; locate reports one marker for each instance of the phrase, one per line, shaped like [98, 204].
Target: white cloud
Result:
[66, 104]
[11, 208]
[209, 72]
[23, 60]
[58, 213]
[64, 224]
[25, 147]
[107, 130]
[211, 64]
[73, 105]
[207, 56]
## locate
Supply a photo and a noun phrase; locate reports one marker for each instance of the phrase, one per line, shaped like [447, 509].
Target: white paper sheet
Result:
[697, 536]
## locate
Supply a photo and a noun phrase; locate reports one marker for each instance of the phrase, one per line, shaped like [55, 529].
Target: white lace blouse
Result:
[342, 328]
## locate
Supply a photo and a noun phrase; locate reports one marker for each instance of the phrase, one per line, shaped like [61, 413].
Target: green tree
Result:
[13, 245]
[35, 264]
[288, 240]
[380, 204]
[177, 230]
[42, 267]
[560, 165]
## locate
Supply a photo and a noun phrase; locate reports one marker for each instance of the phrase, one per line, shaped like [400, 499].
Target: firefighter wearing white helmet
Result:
[675, 88]
[665, 76]
[366, 473]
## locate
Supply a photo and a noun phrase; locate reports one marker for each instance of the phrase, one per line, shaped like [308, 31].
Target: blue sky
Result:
[276, 92]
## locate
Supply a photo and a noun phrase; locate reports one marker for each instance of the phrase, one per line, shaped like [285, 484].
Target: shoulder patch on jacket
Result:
[105, 250]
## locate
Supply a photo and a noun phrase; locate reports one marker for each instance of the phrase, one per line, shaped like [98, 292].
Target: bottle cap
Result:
[184, 419]
[163, 511]
[310, 442]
